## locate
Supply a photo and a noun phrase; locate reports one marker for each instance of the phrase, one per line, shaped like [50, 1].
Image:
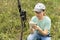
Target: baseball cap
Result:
[39, 7]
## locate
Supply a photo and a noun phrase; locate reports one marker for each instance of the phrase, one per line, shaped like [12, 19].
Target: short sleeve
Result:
[48, 25]
[33, 19]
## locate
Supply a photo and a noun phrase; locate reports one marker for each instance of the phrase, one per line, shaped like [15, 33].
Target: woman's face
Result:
[40, 14]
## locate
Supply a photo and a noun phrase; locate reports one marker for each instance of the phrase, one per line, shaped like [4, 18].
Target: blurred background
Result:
[10, 24]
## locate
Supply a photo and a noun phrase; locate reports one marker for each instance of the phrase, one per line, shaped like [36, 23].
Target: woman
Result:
[40, 24]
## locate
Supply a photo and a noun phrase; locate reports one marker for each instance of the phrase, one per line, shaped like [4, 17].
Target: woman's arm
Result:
[45, 32]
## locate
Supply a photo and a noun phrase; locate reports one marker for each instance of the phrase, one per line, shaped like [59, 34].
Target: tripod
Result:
[23, 18]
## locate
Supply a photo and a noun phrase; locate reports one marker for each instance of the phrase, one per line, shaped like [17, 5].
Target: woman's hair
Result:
[44, 11]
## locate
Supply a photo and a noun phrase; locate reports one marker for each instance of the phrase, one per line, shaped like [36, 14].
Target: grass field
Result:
[10, 19]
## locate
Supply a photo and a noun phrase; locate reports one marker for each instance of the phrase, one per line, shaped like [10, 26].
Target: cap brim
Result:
[37, 10]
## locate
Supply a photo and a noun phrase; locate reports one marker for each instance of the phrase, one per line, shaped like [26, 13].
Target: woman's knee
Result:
[31, 37]
[46, 38]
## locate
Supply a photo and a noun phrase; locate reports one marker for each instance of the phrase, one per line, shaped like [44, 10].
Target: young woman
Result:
[40, 24]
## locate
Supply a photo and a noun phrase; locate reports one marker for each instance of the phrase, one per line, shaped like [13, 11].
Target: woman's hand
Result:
[35, 27]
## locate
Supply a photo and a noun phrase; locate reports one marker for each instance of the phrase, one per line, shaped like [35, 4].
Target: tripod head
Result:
[23, 15]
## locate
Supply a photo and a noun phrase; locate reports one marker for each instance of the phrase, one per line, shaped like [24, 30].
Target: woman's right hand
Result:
[32, 30]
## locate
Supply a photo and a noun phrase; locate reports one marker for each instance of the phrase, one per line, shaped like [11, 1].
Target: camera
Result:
[23, 15]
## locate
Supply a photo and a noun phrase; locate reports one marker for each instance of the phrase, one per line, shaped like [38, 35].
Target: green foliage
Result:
[10, 24]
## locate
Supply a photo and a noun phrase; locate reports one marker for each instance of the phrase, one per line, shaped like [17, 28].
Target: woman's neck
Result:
[41, 18]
